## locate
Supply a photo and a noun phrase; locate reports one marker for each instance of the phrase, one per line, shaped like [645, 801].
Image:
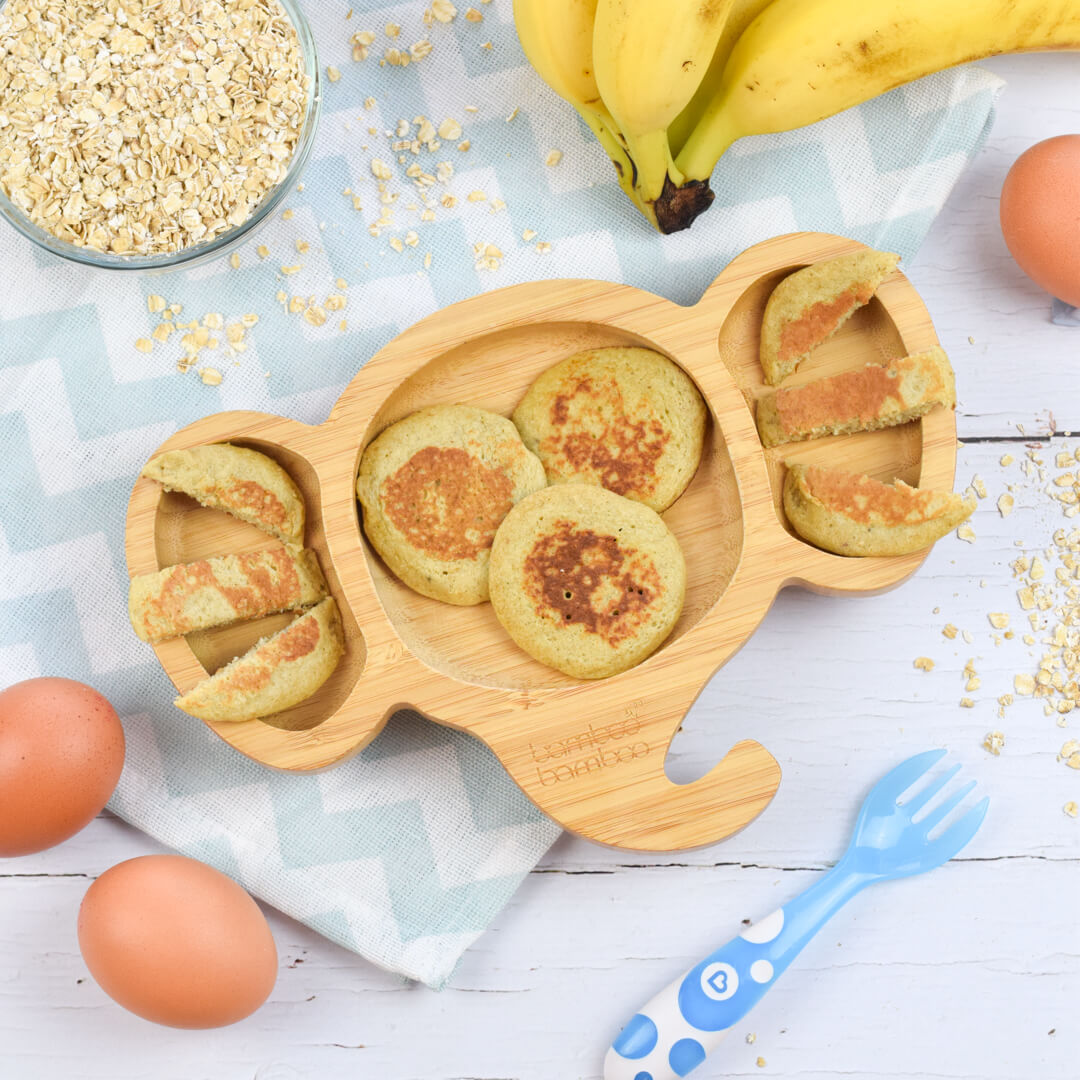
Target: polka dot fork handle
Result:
[688, 1020]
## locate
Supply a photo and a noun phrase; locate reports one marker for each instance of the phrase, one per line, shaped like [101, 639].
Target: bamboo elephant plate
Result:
[590, 754]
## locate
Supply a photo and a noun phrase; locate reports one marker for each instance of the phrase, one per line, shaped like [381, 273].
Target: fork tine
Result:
[940, 812]
[894, 783]
[955, 838]
[921, 798]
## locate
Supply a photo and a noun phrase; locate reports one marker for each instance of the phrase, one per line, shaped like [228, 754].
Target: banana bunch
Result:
[668, 85]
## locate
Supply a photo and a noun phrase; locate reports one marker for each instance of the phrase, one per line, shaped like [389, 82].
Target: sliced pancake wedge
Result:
[856, 515]
[278, 672]
[586, 581]
[809, 306]
[242, 482]
[626, 419]
[875, 396]
[226, 589]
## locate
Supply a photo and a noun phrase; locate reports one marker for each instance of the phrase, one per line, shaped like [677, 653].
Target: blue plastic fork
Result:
[682, 1024]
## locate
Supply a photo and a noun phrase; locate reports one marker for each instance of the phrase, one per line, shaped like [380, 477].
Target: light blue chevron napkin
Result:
[407, 852]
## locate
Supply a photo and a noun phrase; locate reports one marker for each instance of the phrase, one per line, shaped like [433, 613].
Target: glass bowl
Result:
[209, 249]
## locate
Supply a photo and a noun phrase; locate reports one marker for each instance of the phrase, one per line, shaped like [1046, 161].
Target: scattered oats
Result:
[211, 376]
[155, 303]
[543, 247]
[341, 283]
[441, 10]
[999, 620]
[1006, 460]
[262, 251]
[212, 320]
[924, 663]
[966, 533]
[760, 1063]
[1024, 684]
[473, 15]
[162, 331]
[528, 234]
[392, 30]
[751, 1038]
[497, 205]
[396, 244]
[427, 214]
[1071, 808]
[443, 171]
[1038, 571]
[302, 247]
[356, 205]
[234, 333]
[335, 302]
[971, 340]
[144, 345]
[967, 636]
[448, 201]
[411, 238]
[343, 325]
[979, 486]
[553, 158]
[1005, 504]
[476, 196]
[487, 45]
[419, 49]
[427, 261]
[471, 109]
[380, 170]
[282, 296]
[361, 41]
[950, 631]
[464, 145]
[974, 683]
[513, 115]
[249, 320]
[994, 742]
[296, 305]
[287, 215]
[395, 58]
[1026, 597]
[967, 703]
[332, 73]
[315, 315]
[289, 270]
[369, 102]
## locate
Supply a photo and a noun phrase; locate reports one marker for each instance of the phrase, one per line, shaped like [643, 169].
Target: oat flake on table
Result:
[144, 128]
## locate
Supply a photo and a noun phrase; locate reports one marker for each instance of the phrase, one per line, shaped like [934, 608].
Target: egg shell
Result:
[177, 942]
[1040, 215]
[61, 754]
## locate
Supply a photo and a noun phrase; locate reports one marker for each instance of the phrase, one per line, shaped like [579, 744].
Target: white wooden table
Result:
[972, 972]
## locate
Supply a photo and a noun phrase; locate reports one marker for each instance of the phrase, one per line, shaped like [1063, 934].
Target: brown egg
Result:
[177, 942]
[1040, 215]
[61, 753]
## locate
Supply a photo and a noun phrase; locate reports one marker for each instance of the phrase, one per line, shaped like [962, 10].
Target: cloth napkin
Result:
[408, 851]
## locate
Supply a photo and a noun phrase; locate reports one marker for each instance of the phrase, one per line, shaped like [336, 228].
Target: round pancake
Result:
[626, 419]
[435, 487]
[586, 581]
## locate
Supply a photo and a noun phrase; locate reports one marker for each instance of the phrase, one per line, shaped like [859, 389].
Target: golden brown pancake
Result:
[626, 419]
[435, 487]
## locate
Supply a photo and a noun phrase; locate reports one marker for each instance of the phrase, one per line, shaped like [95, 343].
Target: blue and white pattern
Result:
[406, 853]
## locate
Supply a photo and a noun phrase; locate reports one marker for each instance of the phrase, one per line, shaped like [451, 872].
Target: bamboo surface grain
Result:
[590, 754]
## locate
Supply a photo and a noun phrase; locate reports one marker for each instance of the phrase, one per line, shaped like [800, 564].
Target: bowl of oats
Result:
[147, 136]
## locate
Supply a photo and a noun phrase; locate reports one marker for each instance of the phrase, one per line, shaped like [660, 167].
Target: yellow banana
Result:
[650, 57]
[742, 14]
[557, 37]
[802, 60]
